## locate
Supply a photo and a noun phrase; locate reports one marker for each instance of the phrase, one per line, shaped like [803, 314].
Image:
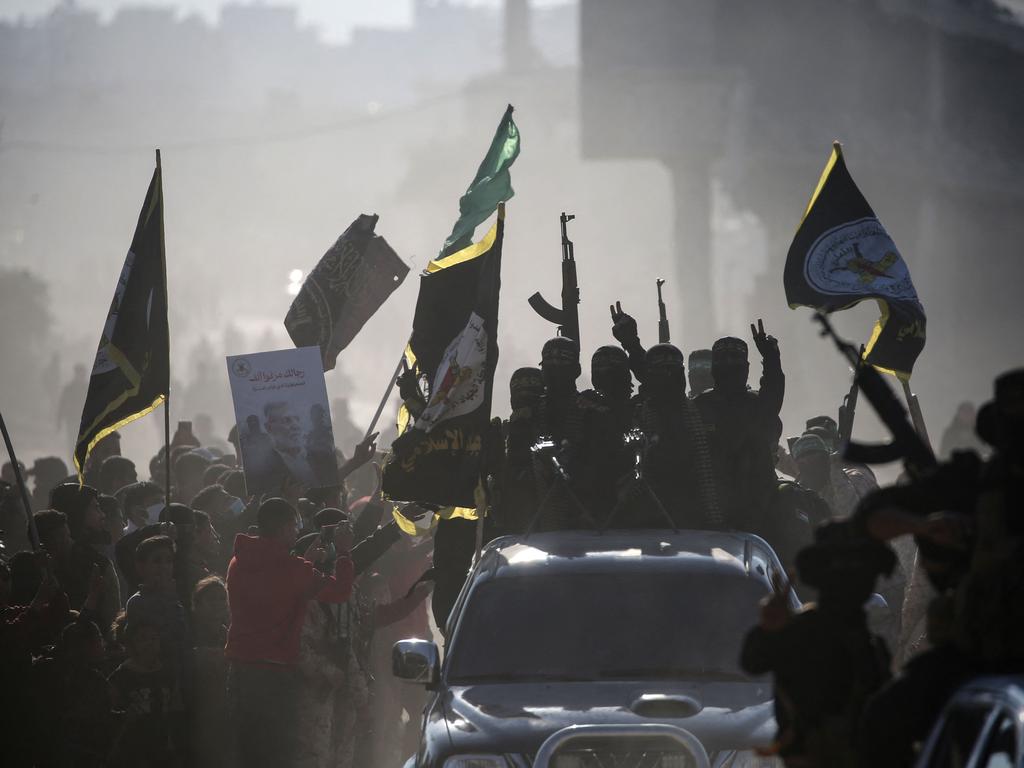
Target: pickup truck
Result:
[617, 648]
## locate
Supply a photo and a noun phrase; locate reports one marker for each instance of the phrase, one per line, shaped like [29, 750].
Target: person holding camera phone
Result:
[269, 591]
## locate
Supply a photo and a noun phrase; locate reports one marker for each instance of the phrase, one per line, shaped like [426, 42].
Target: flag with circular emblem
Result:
[842, 255]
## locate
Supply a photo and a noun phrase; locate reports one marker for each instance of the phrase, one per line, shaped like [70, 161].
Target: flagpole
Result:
[167, 397]
[167, 448]
[387, 394]
[33, 534]
[915, 413]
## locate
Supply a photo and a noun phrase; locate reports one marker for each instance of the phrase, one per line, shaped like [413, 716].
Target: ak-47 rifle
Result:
[848, 409]
[906, 443]
[664, 337]
[568, 317]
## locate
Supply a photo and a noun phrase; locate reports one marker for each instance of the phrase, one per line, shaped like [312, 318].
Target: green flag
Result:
[492, 185]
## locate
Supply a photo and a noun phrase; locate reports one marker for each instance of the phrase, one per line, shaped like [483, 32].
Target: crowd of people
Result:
[225, 630]
[199, 625]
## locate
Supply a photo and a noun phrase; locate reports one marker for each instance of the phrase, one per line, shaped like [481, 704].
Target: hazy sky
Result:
[335, 18]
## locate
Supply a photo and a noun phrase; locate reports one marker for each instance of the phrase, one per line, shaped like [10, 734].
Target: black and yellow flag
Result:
[439, 459]
[131, 373]
[842, 255]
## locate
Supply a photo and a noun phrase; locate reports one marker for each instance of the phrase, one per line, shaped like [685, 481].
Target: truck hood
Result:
[518, 717]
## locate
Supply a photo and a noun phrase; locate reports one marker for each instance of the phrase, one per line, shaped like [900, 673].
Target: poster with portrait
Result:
[284, 422]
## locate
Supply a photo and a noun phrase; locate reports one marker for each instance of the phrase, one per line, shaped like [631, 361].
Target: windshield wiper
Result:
[652, 673]
[519, 677]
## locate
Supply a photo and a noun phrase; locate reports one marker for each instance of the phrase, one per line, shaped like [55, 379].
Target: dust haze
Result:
[685, 137]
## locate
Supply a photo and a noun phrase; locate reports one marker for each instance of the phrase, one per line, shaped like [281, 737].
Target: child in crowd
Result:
[157, 602]
[147, 693]
[210, 614]
[212, 736]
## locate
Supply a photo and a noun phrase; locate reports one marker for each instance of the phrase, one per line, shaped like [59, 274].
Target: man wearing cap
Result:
[677, 462]
[744, 427]
[825, 661]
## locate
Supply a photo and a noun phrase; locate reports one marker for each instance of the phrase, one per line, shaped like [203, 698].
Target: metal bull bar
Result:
[560, 739]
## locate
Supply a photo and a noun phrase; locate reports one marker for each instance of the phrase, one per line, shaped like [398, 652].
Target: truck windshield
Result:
[605, 626]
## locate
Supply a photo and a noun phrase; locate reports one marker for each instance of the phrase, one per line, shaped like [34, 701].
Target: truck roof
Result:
[628, 550]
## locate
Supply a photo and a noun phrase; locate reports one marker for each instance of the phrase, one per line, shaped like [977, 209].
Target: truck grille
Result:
[649, 758]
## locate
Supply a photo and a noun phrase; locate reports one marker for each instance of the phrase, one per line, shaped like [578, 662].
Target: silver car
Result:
[584, 639]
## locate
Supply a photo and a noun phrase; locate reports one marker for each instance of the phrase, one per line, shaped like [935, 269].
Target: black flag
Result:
[842, 255]
[439, 459]
[131, 373]
[352, 280]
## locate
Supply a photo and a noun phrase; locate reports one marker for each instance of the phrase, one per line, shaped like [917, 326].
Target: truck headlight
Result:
[476, 761]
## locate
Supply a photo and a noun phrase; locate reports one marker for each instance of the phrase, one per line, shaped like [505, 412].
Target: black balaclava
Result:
[729, 365]
[699, 367]
[560, 366]
[609, 372]
[664, 372]
[526, 387]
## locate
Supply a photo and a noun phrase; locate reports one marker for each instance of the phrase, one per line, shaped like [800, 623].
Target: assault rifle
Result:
[906, 443]
[568, 317]
[664, 337]
[848, 409]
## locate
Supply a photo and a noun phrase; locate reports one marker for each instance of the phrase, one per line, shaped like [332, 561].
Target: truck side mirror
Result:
[417, 661]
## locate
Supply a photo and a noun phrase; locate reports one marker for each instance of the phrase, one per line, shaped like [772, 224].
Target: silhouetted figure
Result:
[47, 473]
[965, 517]
[613, 387]
[517, 493]
[579, 491]
[699, 367]
[743, 427]
[70, 405]
[824, 660]
[676, 463]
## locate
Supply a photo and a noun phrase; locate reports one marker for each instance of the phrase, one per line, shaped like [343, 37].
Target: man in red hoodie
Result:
[269, 590]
